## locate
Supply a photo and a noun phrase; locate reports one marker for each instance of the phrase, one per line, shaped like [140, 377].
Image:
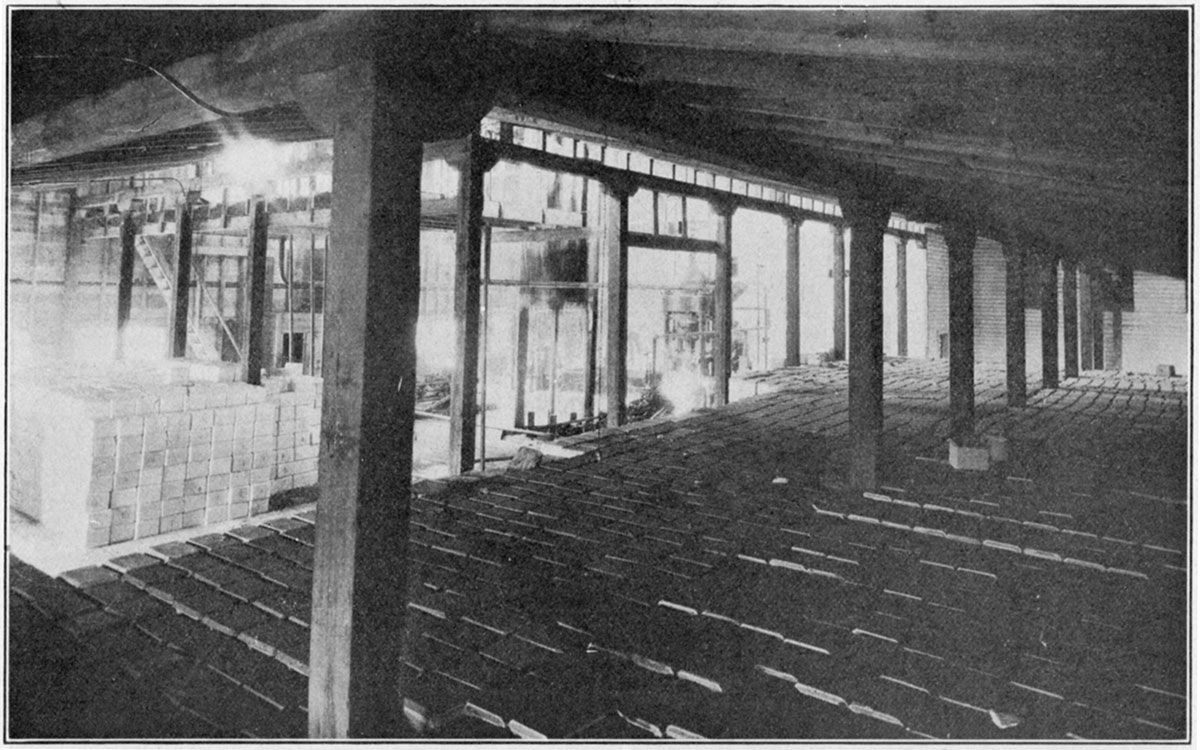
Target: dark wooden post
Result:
[792, 295]
[1113, 358]
[902, 298]
[1086, 332]
[867, 219]
[593, 316]
[1070, 297]
[1049, 272]
[476, 162]
[372, 294]
[260, 287]
[723, 304]
[1014, 324]
[72, 262]
[615, 248]
[125, 280]
[181, 289]
[521, 364]
[960, 241]
[1098, 303]
[839, 291]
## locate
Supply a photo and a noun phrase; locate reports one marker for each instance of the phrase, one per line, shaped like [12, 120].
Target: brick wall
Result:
[130, 463]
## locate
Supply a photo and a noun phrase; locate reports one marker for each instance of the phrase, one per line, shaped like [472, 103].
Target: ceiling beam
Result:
[274, 68]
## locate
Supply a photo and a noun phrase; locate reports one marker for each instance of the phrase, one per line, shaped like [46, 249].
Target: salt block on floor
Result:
[968, 457]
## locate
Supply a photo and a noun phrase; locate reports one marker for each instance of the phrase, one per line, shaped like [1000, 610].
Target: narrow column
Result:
[867, 219]
[792, 295]
[839, 292]
[125, 280]
[369, 368]
[181, 289]
[521, 361]
[593, 318]
[960, 241]
[614, 241]
[723, 304]
[258, 282]
[72, 262]
[1113, 358]
[1014, 324]
[1070, 321]
[902, 298]
[463, 386]
[1086, 332]
[1049, 322]
[1098, 303]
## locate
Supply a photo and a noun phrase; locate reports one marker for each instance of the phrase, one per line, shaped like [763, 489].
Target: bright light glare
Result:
[686, 390]
[252, 162]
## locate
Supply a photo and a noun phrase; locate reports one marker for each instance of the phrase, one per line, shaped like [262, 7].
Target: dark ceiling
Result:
[56, 55]
[1064, 130]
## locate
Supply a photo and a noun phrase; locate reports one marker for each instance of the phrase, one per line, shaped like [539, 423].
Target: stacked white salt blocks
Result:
[164, 458]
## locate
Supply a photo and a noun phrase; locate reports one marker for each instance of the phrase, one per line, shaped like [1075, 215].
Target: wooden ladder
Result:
[162, 280]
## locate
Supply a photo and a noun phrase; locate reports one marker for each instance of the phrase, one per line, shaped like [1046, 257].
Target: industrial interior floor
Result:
[709, 576]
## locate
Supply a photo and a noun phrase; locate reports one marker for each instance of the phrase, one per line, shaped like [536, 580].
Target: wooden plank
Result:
[723, 303]
[868, 220]
[792, 294]
[667, 242]
[839, 292]
[1070, 305]
[177, 338]
[1014, 324]
[259, 301]
[613, 232]
[467, 250]
[960, 243]
[125, 280]
[369, 369]
[1049, 272]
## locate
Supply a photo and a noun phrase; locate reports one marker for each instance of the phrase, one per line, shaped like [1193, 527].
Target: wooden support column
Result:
[591, 368]
[614, 236]
[260, 287]
[867, 219]
[1113, 358]
[125, 280]
[1014, 324]
[372, 294]
[1070, 321]
[72, 263]
[1099, 298]
[477, 160]
[1049, 273]
[839, 292]
[902, 297]
[182, 284]
[1086, 332]
[792, 282]
[960, 241]
[723, 303]
[521, 355]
